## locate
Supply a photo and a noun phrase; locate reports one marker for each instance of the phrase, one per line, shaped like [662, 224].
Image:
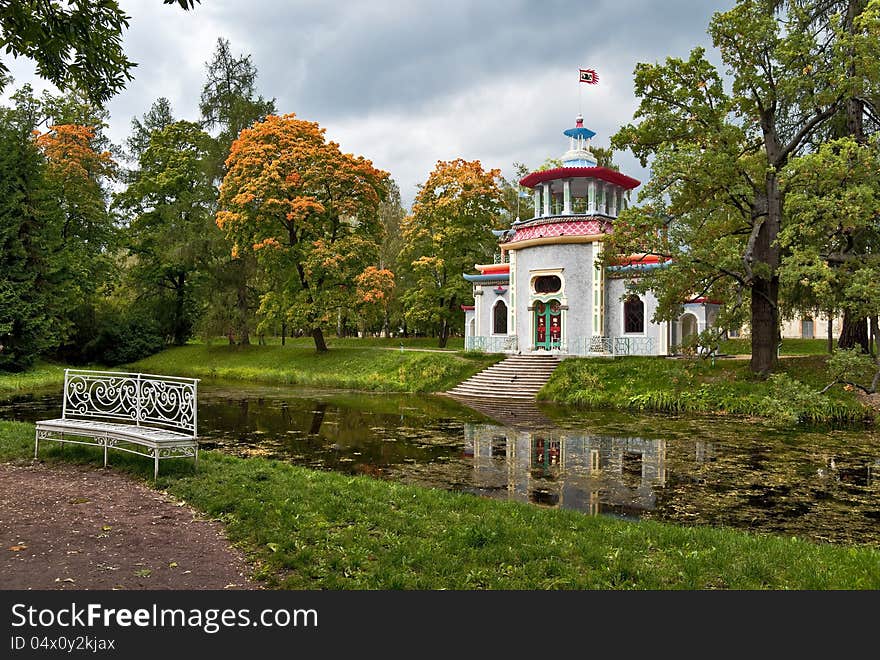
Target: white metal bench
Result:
[144, 414]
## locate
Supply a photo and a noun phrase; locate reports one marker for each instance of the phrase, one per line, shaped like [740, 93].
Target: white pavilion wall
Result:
[615, 291]
[486, 298]
[575, 261]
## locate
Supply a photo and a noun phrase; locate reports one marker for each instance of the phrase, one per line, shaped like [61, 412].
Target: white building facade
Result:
[550, 292]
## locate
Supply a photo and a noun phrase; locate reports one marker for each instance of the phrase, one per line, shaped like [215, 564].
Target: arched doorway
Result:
[548, 325]
[472, 332]
[688, 327]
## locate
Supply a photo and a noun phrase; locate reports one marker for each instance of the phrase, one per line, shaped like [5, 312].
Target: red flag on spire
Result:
[589, 76]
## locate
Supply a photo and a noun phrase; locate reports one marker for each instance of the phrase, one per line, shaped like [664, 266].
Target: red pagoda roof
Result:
[603, 173]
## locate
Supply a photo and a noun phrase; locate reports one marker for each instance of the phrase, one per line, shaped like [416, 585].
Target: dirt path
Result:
[80, 527]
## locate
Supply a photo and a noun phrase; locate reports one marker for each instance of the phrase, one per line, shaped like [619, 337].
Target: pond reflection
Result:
[567, 469]
[823, 485]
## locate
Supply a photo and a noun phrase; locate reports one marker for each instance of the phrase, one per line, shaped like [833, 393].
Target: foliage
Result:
[28, 241]
[790, 401]
[716, 203]
[74, 44]
[448, 231]
[170, 202]
[852, 368]
[121, 337]
[307, 212]
[705, 344]
[229, 104]
[698, 386]
[60, 235]
[229, 100]
[832, 256]
[375, 287]
[158, 117]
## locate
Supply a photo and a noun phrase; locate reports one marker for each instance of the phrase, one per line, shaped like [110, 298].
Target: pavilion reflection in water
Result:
[567, 469]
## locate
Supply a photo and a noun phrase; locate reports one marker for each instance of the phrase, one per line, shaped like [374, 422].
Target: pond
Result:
[817, 484]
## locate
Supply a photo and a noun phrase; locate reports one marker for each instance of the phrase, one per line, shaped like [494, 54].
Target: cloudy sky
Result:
[406, 83]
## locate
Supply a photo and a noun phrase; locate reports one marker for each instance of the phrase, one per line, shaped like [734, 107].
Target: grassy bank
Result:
[697, 386]
[320, 530]
[794, 346]
[41, 376]
[345, 366]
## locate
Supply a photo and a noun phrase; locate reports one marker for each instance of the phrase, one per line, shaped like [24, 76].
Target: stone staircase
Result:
[515, 377]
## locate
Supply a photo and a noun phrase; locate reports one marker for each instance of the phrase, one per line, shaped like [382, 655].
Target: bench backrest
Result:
[140, 399]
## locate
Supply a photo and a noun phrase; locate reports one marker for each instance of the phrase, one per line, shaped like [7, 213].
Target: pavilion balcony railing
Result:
[613, 346]
[504, 344]
[502, 258]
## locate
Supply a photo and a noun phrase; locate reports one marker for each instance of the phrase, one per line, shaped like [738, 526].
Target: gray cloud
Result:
[409, 83]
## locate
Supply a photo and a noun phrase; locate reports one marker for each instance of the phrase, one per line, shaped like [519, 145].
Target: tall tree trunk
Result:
[875, 333]
[765, 290]
[318, 418]
[339, 327]
[386, 325]
[830, 332]
[320, 344]
[444, 333]
[283, 333]
[854, 332]
[244, 337]
[765, 325]
[180, 329]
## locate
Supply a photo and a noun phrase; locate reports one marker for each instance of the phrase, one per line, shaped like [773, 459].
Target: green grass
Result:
[743, 346]
[43, 375]
[342, 367]
[427, 343]
[305, 529]
[697, 386]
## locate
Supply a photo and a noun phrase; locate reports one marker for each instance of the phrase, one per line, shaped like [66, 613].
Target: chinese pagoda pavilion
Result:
[550, 295]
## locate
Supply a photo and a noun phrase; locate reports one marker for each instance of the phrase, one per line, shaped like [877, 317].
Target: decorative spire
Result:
[579, 154]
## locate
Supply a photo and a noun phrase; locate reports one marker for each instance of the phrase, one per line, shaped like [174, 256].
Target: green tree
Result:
[29, 239]
[715, 203]
[391, 215]
[448, 231]
[74, 44]
[307, 212]
[158, 117]
[170, 201]
[229, 104]
[832, 254]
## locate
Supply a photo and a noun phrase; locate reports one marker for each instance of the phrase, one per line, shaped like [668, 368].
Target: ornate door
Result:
[548, 325]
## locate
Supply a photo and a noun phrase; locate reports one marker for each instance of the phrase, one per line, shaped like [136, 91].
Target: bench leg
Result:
[196, 459]
[155, 463]
[36, 444]
[105, 452]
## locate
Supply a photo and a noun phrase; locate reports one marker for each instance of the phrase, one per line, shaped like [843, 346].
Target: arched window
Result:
[633, 315]
[499, 320]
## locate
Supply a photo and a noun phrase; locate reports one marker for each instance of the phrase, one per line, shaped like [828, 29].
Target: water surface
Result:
[819, 484]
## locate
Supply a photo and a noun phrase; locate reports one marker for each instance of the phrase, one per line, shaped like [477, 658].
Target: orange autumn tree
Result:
[76, 178]
[375, 287]
[307, 212]
[77, 171]
[448, 232]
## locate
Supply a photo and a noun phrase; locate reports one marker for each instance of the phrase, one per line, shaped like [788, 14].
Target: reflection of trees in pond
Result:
[317, 418]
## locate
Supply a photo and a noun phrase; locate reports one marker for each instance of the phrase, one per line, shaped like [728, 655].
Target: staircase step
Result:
[518, 377]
